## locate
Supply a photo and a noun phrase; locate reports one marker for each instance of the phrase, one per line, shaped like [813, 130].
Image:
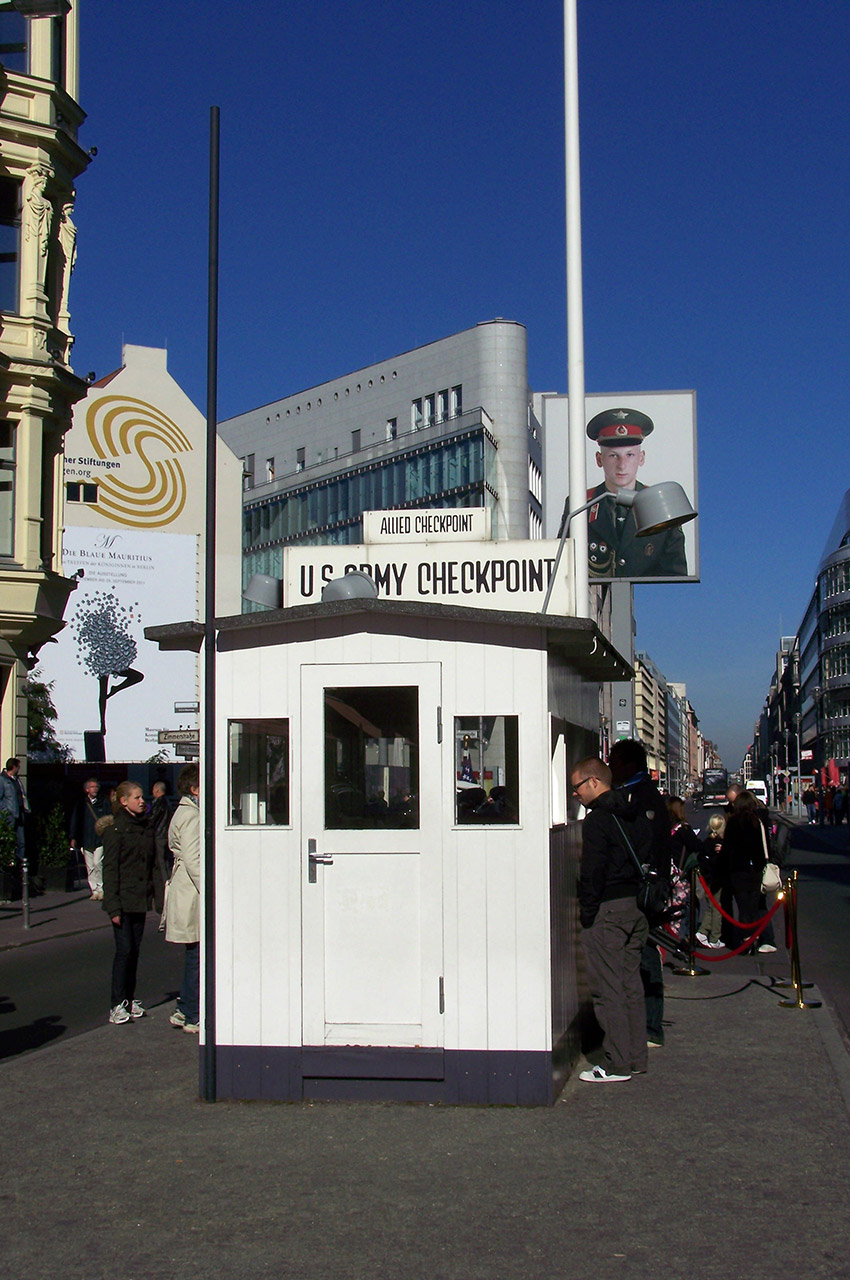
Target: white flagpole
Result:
[575, 320]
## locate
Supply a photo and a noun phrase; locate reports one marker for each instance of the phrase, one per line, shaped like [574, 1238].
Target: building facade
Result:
[803, 728]
[825, 685]
[40, 159]
[651, 714]
[449, 424]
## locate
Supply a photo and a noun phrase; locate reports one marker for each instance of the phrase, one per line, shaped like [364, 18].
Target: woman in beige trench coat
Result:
[183, 907]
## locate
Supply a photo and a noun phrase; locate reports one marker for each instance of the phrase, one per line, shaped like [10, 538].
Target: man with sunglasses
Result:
[614, 929]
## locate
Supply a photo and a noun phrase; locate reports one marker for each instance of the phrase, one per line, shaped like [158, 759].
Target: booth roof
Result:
[578, 639]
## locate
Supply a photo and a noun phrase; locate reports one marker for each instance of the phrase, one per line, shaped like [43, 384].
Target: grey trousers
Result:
[612, 947]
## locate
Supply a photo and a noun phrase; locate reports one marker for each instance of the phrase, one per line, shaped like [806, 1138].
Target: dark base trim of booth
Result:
[520, 1079]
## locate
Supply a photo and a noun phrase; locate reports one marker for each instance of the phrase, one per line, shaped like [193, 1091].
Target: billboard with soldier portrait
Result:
[632, 439]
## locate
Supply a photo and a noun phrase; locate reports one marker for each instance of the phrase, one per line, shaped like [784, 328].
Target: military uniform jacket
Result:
[615, 551]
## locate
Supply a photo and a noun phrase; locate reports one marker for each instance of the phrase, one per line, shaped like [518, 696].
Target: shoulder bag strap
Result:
[641, 871]
[764, 840]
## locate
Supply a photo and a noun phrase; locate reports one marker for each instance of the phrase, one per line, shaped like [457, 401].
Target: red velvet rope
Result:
[758, 928]
[731, 919]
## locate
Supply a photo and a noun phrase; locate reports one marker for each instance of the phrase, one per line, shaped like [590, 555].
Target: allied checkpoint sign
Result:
[439, 568]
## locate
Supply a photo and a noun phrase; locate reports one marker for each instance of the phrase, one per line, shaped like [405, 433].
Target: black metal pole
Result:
[209, 738]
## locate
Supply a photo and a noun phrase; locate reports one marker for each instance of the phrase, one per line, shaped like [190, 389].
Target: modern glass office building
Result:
[445, 425]
[825, 635]
[806, 713]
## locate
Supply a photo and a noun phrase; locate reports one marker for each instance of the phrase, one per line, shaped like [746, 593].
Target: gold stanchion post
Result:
[692, 969]
[796, 971]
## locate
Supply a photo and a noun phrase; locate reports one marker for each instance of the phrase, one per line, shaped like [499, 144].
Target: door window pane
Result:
[487, 769]
[371, 758]
[259, 773]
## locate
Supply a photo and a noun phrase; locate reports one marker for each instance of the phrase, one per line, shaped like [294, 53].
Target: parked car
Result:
[758, 788]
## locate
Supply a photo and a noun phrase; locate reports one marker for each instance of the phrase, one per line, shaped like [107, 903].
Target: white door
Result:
[371, 851]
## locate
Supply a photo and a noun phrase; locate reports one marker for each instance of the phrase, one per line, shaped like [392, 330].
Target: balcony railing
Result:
[382, 450]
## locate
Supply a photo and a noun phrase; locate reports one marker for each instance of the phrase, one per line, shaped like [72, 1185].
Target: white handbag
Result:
[771, 877]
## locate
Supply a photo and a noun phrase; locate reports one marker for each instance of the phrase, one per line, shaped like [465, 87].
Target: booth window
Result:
[487, 769]
[259, 773]
[371, 758]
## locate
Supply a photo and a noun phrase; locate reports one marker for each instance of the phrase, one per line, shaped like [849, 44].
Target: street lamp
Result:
[655, 507]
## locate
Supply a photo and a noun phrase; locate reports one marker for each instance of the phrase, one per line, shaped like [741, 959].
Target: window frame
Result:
[243, 722]
[13, 224]
[513, 793]
[10, 466]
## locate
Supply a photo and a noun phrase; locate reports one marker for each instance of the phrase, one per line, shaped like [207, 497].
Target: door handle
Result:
[314, 858]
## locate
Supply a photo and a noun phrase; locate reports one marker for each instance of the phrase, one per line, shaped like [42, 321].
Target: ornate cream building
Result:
[40, 159]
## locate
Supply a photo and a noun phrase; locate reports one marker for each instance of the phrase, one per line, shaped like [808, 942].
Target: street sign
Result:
[178, 735]
[186, 708]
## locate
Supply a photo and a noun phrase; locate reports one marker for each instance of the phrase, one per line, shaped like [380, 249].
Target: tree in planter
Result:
[9, 867]
[42, 743]
[8, 844]
[51, 840]
[52, 836]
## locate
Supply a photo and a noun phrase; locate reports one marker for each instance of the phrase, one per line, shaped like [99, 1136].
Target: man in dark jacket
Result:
[160, 815]
[649, 833]
[614, 929]
[89, 807]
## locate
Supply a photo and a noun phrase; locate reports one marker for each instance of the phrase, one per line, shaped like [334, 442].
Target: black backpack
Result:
[780, 838]
[654, 894]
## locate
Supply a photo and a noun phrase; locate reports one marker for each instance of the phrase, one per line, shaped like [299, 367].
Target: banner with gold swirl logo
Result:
[147, 490]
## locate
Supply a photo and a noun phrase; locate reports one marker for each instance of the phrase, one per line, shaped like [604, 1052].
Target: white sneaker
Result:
[136, 1010]
[119, 1013]
[718, 945]
[178, 1018]
[766, 949]
[598, 1075]
[702, 938]
[194, 1028]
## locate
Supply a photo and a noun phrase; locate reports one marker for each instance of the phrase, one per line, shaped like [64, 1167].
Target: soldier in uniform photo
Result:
[614, 548]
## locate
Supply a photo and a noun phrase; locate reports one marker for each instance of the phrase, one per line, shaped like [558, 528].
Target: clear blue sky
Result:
[392, 174]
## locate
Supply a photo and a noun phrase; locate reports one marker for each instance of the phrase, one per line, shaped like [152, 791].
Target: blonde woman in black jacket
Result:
[128, 864]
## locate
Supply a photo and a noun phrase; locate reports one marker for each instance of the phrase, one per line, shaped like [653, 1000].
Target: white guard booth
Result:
[395, 863]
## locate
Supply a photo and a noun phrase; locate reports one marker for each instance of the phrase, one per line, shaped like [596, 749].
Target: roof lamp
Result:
[265, 590]
[354, 585]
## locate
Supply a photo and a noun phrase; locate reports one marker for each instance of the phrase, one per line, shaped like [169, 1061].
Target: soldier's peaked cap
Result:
[613, 427]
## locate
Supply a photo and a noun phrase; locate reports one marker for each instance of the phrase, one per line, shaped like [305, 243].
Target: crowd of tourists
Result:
[637, 845]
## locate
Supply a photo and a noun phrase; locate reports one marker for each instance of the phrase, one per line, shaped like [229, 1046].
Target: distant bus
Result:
[714, 785]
